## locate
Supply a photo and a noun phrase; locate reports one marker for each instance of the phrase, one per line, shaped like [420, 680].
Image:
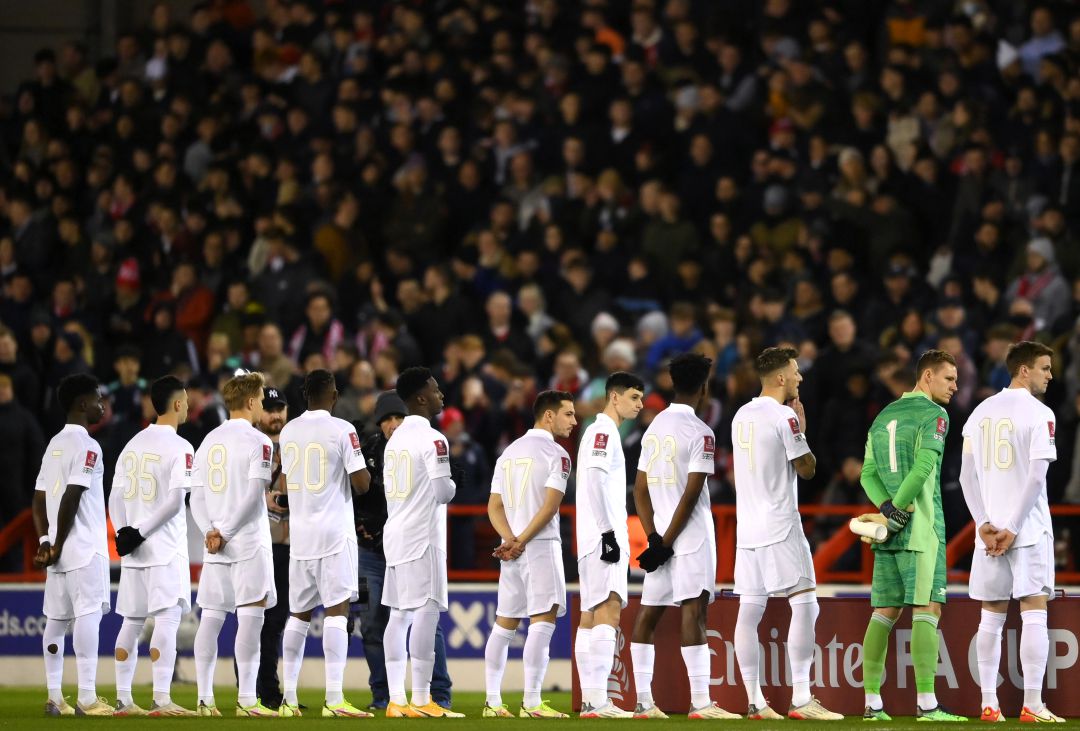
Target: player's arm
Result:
[969, 483]
[442, 484]
[805, 466]
[117, 508]
[550, 508]
[1035, 485]
[695, 483]
[497, 516]
[65, 516]
[643, 503]
[796, 447]
[869, 479]
[360, 481]
[253, 502]
[355, 464]
[41, 522]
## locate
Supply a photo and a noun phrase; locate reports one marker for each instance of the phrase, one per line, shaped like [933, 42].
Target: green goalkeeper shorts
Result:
[908, 578]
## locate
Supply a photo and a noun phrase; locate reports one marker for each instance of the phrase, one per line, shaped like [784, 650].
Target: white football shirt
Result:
[1005, 433]
[677, 443]
[415, 519]
[229, 458]
[73, 457]
[765, 437]
[318, 453]
[601, 448]
[524, 472]
[156, 461]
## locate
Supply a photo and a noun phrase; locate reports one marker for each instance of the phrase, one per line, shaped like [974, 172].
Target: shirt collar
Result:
[540, 433]
[75, 428]
[314, 412]
[604, 417]
[915, 394]
[684, 408]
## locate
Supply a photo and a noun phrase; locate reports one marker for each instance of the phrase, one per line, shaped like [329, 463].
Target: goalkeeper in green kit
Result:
[902, 477]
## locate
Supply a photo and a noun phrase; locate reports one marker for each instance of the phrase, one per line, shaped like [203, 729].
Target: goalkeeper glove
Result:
[128, 539]
[897, 518]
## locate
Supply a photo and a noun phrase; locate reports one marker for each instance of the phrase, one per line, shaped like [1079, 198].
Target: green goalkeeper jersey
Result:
[905, 426]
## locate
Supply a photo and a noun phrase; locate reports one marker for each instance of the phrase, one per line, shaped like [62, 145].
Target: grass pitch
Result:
[22, 708]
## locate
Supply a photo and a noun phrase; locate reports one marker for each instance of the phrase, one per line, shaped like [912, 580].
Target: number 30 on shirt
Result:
[399, 483]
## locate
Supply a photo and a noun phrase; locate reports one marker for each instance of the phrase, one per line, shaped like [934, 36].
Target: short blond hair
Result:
[240, 388]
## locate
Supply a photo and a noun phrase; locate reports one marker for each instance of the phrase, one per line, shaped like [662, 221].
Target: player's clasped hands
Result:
[997, 541]
[509, 550]
[214, 541]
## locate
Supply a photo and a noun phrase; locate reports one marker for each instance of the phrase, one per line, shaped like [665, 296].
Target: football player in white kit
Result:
[603, 542]
[152, 478]
[69, 515]
[1008, 447]
[526, 490]
[228, 503]
[417, 483]
[771, 552]
[322, 460]
[677, 457]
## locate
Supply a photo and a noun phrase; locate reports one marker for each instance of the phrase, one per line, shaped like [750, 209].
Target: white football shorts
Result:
[78, 592]
[326, 581]
[534, 582]
[411, 584]
[226, 586]
[150, 589]
[784, 567]
[1021, 572]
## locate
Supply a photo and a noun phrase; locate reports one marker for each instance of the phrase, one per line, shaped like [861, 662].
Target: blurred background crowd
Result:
[530, 194]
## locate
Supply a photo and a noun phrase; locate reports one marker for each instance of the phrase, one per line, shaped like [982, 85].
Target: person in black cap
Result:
[267, 687]
[370, 513]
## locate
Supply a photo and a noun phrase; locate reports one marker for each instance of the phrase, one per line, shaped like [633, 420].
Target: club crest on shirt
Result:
[565, 468]
[91, 462]
[710, 446]
[600, 445]
[1050, 428]
[442, 455]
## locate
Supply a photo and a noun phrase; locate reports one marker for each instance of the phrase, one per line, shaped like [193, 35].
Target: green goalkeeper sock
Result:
[924, 650]
[875, 649]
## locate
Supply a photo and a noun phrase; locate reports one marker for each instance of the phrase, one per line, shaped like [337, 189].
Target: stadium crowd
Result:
[531, 194]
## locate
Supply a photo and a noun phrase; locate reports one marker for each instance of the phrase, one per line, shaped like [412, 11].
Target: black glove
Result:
[609, 547]
[656, 554]
[898, 518]
[128, 539]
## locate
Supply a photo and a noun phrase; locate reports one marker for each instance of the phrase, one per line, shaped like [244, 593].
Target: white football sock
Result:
[696, 658]
[643, 655]
[535, 657]
[394, 650]
[249, 622]
[495, 651]
[583, 660]
[422, 651]
[85, 641]
[1034, 648]
[52, 649]
[988, 652]
[747, 650]
[335, 642]
[126, 656]
[163, 652]
[602, 649]
[293, 640]
[800, 644]
[206, 651]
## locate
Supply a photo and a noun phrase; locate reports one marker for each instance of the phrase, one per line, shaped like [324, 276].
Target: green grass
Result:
[21, 708]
